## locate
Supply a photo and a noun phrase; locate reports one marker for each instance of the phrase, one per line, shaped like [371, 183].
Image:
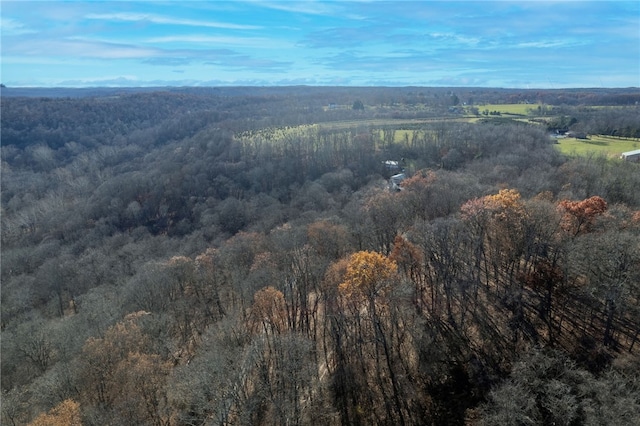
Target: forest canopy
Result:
[238, 256]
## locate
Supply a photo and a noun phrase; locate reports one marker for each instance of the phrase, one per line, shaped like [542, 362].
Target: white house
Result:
[392, 165]
[633, 156]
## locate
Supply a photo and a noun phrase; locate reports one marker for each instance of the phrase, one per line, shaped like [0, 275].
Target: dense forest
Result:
[237, 256]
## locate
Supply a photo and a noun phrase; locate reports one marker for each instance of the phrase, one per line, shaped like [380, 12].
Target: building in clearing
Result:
[392, 166]
[633, 156]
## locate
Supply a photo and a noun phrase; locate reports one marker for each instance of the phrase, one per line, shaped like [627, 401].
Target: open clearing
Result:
[597, 144]
[404, 129]
[396, 122]
[513, 109]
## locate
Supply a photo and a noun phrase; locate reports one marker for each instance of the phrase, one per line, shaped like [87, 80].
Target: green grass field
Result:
[597, 144]
[380, 122]
[519, 109]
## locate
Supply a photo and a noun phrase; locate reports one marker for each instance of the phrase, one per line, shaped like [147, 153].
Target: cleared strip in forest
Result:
[378, 122]
[275, 135]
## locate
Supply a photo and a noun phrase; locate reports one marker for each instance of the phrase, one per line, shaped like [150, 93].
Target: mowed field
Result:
[597, 144]
[514, 109]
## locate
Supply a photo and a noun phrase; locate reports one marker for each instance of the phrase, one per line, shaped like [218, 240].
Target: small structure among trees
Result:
[633, 156]
[396, 180]
[577, 135]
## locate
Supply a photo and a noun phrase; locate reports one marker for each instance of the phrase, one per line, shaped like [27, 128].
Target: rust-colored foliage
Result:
[475, 211]
[420, 196]
[102, 355]
[67, 413]
[334, 275]
[367, 273]
[118, 340]
[142, 380]
[268, 311]
[579, 216]
[331, 281]
[420, 181]
[327, 238]
[502, 214]
[543, 275]
[263, 261]
[119, 374]
[407, 256]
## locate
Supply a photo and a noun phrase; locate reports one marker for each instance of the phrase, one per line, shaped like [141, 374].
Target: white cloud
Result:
[456, 38]
[258, 42]
[78, 48]
[306, 8]
[157, 19]
[11, 27]
[546, 44]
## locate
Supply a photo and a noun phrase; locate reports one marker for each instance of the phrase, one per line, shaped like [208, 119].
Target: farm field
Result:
[403, 127]
[379, 122]
[514, 109]
[597, 144]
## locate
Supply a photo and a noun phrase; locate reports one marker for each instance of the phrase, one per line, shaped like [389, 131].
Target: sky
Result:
[537, 44]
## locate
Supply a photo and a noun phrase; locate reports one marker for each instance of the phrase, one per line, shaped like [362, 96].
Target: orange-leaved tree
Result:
[409, 259]
[67, 413]
[408, 256]
[579, 216]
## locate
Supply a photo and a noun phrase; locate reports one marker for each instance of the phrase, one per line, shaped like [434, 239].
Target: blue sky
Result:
[539, 44]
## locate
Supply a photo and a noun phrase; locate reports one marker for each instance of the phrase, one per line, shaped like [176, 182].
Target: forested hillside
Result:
[236, 256]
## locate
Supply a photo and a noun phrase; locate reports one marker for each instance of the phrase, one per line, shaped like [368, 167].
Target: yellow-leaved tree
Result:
[506, 206]
[367, 274]
[368, 332]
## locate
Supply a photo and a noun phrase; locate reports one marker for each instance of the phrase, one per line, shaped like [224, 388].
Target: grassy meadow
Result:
[597, 144]
[513, 109]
